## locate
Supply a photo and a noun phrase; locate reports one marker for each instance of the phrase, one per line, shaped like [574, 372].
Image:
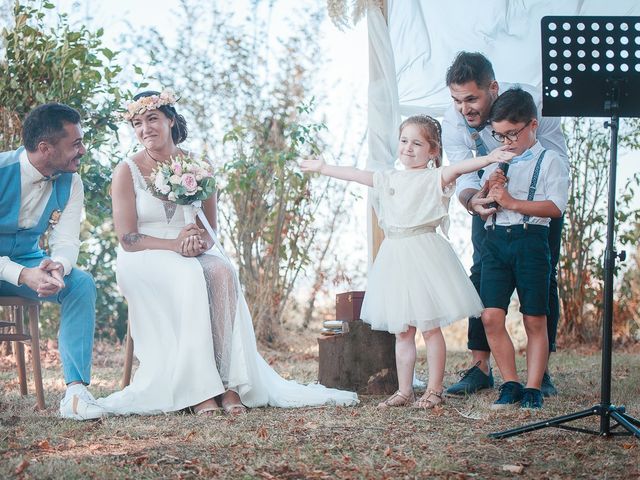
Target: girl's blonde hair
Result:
[431, 130]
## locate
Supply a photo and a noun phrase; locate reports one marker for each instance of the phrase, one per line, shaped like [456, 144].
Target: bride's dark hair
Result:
[179, 130]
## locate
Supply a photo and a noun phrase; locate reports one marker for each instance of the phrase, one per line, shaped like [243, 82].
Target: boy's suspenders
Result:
[533, 186]
[532, 190]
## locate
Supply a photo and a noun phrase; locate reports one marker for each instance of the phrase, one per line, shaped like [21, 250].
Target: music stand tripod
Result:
[590, 66]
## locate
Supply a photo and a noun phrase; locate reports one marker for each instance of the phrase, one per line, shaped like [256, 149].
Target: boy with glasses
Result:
[516, 250]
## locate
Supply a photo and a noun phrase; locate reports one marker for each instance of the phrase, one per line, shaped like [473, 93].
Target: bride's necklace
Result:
[151, 156]
[154, 158]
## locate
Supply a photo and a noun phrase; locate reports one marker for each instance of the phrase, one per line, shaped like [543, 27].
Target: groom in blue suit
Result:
[41, 193]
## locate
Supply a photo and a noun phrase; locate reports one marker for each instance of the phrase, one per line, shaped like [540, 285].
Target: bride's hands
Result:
[193, 246]
[189, 242]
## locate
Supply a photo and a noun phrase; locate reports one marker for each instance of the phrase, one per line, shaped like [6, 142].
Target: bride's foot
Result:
[231, 403]
[207, 408]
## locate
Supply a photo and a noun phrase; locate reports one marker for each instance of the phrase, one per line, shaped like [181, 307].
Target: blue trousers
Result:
[477, 339]
[77, 319]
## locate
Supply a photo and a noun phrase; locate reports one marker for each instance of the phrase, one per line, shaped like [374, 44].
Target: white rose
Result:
[174, 180]
[161, 185]
[172, 197]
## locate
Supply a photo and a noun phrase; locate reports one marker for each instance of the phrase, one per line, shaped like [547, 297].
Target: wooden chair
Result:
[12, 330]
[128, 358]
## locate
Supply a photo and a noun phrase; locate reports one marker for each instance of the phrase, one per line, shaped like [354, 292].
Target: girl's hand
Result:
[312, 165]
[500, 154]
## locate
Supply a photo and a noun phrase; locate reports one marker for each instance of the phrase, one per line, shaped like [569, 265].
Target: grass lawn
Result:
[329, 442]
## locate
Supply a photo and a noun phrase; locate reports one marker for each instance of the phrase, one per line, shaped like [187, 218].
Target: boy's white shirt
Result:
[553, 184]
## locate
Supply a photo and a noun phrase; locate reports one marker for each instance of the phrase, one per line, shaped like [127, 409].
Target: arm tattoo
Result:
[132, 238]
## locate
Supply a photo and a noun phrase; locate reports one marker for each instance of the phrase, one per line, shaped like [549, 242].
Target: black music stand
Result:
[591, 67]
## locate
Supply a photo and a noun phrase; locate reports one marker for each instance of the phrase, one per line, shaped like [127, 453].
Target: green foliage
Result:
[44, 64]
[581, 265]
[271, 202]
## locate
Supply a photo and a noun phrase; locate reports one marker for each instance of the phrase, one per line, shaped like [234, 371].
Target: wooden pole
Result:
[376, 235]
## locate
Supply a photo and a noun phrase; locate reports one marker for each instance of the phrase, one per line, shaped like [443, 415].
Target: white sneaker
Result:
[79, 404]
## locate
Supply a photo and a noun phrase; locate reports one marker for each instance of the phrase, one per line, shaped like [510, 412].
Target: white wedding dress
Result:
[191, 327]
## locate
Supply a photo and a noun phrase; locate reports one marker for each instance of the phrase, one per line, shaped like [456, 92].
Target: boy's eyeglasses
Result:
[511, 136]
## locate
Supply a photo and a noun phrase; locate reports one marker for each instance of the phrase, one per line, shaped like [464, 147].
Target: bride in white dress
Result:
[191, 327]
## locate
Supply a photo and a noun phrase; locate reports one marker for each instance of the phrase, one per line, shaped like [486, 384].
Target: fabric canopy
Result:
[425, 35]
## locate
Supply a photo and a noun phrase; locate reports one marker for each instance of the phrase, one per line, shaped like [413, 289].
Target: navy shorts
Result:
[516, 258]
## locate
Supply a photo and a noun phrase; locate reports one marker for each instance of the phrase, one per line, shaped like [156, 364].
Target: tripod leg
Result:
[553, 422]
[626, 422]
[629, 418]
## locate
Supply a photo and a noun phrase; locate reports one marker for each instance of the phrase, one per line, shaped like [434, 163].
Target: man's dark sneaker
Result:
[471, 381]
[531, 398]
[548, 388]
[510, 395]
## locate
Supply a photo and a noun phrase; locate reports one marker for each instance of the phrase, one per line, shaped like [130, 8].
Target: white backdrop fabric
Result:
[413, 50]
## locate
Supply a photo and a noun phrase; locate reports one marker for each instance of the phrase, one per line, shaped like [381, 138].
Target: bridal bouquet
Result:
[184, 180]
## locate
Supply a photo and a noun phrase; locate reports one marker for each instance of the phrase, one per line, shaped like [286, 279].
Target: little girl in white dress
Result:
[416, 281]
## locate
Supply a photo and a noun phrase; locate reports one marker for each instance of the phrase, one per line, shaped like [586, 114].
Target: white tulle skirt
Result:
[418, 281]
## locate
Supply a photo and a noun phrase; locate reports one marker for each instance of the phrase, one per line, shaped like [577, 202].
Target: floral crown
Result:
[152, 102]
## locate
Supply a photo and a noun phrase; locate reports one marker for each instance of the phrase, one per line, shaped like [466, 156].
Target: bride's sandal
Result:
[207, 408]
[430, 399]
[231, 404]
[235, 409]
[398, 399]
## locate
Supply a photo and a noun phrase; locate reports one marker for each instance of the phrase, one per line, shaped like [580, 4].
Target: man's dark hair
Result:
[470, 67]
[45, 123]
[515, 106]
[179, 130]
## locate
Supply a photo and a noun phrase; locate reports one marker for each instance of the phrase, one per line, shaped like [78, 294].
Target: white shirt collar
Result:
[28, 171]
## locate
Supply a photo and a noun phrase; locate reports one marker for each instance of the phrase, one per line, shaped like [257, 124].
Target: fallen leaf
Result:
[20, 468]
[44, 445]
[629, 446]
[189, 436]
[387, 452]
[513, 468]
[263, 433]
[141, 459]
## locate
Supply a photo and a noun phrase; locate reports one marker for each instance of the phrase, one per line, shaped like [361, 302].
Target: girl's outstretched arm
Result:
[451, 172]
[351, 174]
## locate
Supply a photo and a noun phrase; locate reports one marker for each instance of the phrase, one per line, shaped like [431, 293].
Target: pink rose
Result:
[189, 182]
[177, 168]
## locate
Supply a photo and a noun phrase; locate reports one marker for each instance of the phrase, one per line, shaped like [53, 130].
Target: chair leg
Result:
[128, 358]
[34, 317]
[19, 349]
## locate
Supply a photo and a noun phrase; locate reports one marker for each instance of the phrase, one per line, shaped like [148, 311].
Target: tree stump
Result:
[361, 360]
